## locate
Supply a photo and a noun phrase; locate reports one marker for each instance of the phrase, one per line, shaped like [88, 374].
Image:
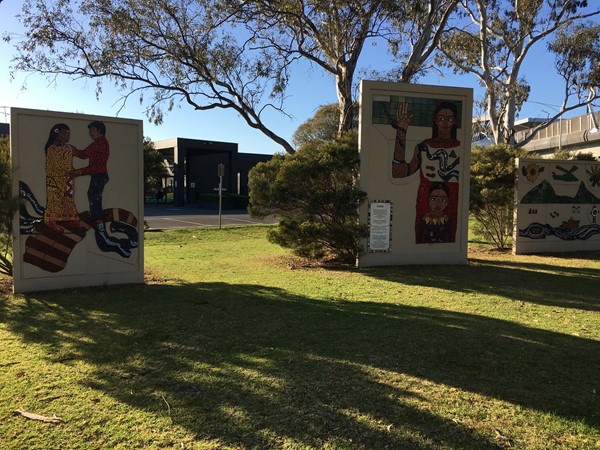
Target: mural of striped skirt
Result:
[50, 250]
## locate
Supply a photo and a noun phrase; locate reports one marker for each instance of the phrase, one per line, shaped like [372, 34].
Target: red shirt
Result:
[97, 153]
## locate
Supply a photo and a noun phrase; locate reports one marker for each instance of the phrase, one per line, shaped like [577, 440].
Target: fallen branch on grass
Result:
[38, 417]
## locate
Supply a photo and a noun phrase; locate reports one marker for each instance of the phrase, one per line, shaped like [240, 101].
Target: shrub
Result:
[584, 156]
[8, 207]
[492, 195]
[154, 167]
[314, 193]
[574, 155]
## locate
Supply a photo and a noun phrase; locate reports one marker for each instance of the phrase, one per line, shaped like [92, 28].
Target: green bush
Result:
[584, 156]
[154, 168]
[492, 195]
[573, 155]
[8, 206]
[314, 193]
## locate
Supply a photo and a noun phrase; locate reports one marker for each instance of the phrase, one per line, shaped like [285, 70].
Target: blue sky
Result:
[309, 89]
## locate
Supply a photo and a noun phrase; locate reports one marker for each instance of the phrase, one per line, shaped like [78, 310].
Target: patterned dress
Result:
[60, 205]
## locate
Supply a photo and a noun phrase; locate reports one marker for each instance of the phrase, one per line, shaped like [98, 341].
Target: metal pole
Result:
[220, 197]
[221, 172]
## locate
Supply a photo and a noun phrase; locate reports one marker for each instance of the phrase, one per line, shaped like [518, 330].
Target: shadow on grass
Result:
[250, 366]
[548, 284]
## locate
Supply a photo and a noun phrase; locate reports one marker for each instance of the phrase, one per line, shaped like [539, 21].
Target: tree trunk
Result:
[344, 93]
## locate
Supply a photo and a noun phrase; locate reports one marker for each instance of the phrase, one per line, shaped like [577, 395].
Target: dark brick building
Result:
[194, 164]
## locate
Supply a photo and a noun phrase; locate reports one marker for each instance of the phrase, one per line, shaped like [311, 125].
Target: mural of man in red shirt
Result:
[97, 154]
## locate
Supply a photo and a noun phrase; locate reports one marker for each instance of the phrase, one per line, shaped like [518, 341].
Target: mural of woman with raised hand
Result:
[435, 161]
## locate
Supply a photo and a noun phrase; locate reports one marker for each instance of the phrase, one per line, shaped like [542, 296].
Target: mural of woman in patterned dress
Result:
[437, 197]
[60, 204]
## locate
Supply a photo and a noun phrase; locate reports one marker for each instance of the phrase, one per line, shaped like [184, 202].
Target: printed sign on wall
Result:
[79, 179]
[380, 226]
[415, 153]
[557, 206]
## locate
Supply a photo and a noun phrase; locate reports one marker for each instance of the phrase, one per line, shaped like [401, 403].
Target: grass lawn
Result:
[232, 343]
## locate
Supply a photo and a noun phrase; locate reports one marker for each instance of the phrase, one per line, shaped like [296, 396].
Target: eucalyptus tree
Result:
[493, 41]
[235, 54]
[577, 50]
[165, 51]
[330, 34]
[418, 28]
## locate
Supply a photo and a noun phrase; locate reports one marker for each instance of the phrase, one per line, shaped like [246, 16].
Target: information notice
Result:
[380, 222]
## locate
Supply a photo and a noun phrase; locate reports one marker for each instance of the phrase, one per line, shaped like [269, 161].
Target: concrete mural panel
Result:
[415, 158]
[80, 182]
[557, 206]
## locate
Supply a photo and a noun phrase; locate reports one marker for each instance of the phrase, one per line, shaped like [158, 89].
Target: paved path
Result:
[166, 217]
